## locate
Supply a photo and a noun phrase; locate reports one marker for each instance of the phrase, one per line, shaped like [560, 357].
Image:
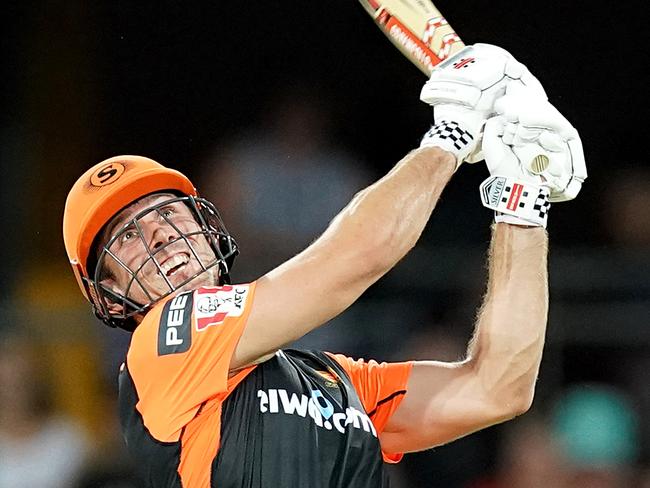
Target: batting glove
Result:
[463, 90]
[534, 156]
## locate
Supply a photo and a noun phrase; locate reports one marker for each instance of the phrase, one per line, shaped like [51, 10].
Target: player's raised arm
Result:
[374, 231]
[384, 221]
[497, 380]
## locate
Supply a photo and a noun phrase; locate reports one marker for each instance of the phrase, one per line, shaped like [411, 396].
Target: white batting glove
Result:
[534, 156]
[462, 91]
[544, 141]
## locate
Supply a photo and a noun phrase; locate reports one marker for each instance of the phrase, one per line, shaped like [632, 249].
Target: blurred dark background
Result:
[279, 112]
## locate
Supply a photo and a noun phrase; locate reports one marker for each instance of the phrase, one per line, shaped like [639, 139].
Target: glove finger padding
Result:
[569, 183]
[551, 141]
[500, 156]
[543, 140]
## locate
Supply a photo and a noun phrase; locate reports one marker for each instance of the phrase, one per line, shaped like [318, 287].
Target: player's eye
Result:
[167, 212]
[128, 235]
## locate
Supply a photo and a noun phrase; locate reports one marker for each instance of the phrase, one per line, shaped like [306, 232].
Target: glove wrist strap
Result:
[511, 219]
[516, 201]
[450, 136]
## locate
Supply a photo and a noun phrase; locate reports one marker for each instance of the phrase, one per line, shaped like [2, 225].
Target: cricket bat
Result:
[417, 28]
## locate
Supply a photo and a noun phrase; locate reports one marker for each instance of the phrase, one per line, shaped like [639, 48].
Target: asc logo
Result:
[214, 304]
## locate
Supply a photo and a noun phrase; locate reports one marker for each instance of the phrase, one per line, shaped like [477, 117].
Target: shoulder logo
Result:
[107, 174]
[174, 330]
[214, 304]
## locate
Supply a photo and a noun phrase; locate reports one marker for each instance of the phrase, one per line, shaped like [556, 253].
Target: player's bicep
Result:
[301, 294]
[444, 401]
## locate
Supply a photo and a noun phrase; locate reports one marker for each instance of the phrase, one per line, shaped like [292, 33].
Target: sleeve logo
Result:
[174, 331]
[213, 305]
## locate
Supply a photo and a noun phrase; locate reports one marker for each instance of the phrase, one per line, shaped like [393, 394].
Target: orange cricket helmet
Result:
[101, 193]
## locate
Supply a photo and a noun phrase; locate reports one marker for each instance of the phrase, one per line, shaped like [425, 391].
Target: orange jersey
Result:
[189, 424]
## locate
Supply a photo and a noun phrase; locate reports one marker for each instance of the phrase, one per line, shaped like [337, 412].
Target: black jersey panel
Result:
[157, 462]
[296, 421]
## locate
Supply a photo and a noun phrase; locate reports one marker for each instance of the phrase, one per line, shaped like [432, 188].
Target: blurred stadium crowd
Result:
[278, 180]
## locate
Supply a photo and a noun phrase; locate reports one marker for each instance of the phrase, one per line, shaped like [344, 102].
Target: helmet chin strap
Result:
[224, 274]
[126, 323]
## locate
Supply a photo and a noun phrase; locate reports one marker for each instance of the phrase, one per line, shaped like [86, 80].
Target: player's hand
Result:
[463, 90]
[534, 156]
[543, 140]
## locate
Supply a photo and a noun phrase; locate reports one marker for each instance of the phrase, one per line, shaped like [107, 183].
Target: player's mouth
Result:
[174, 265]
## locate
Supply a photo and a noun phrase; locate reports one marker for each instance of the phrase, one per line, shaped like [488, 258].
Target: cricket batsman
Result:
[209, 397]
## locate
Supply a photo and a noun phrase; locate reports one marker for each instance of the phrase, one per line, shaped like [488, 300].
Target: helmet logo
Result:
[107, 174]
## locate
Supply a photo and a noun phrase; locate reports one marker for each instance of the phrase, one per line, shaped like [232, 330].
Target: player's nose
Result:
[162, 233]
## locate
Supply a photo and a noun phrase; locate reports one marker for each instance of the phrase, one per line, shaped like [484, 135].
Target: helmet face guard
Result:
[209, 225]
[94, 201]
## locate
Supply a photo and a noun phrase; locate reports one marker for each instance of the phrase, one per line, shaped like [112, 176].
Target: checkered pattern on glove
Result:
[448, 135]
[456, 129]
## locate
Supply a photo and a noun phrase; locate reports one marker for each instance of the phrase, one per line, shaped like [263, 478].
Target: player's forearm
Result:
[507, 346]
[363, 242]
[385, 220]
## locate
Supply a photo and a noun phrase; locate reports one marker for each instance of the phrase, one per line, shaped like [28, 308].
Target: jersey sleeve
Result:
[381, 388]
[180, 354]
